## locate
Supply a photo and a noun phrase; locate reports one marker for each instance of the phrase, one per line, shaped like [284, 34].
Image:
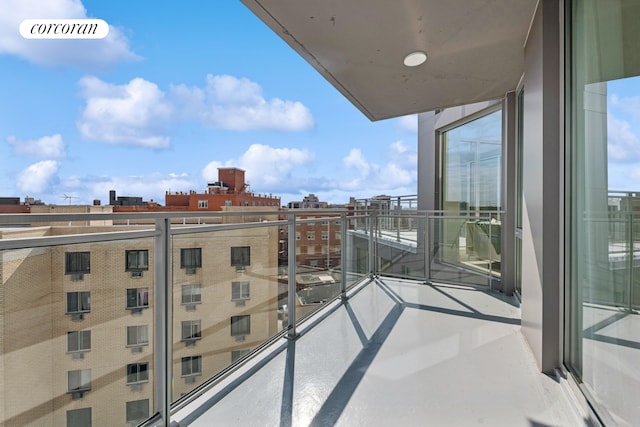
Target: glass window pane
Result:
[602, 324]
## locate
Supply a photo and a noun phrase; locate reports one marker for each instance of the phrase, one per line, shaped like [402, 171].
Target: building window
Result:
[203, 204]
[78, 302]
[325, 223]
[240, 325]
[239, 354]
[240, 257]
[298, 237]
[137, 373]
[325, 235]
[78, 341]
[311, 235]
[77, 264]
[79, 417]
[191, 330]
[191, 365]
[137, 335]
[190, 259]
[137, 411]
[79, 380]
[137, 298]
[137, 260]
[227, 202]
[240, 290]
[191, 294]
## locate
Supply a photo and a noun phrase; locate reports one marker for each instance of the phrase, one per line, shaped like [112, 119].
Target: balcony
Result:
[336, 317]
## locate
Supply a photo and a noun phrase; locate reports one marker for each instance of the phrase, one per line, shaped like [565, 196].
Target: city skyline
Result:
[172, 94]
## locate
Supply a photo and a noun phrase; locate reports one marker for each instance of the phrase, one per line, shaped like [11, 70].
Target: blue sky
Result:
[173, 92]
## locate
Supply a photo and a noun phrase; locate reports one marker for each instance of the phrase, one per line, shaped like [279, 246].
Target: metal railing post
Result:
[291, 297]
[343, 256]
[162, 304]
[631, 247]
[427, 249]
[372, 220]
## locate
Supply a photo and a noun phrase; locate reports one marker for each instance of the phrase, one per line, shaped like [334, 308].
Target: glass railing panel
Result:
[619, 267]
[400, 246]
[318, 262]
[357, 247]
[356, 251]
[464, 249]
[76, 347]
[227, 292]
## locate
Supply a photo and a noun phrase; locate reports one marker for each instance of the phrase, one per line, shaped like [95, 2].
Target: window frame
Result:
[191, 294]
[194, 260]
[239, 295]
[189, 362]
[240, 256]
[138, 299]
[191, 325]
[137, 329]
[82, 384]
[75, 264]
[129, 409]
[82, 417]
[140, 375]
[238, 328]
[137, 267]
[79, 301]
[239, 354]
[79, 338]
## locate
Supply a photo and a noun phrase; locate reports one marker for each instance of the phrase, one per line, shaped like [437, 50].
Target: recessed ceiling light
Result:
[414, 59]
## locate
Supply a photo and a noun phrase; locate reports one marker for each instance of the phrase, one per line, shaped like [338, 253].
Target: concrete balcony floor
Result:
[397, 353]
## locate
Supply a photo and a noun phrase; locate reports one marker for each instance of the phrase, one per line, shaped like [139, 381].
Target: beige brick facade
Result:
[34, 356]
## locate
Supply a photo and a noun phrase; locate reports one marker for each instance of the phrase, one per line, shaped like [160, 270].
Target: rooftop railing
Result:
[112, 318]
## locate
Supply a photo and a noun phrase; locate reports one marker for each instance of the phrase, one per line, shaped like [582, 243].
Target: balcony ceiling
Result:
[474, 47]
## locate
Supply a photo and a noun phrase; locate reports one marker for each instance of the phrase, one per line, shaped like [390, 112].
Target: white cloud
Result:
[267, 168]
[37, 177]
[398, 175]
[623, 144]
[46, 147]
[84, 53]
[230, 103]
[357, 160]
[629, 105]
[408, 123]
[131, 114]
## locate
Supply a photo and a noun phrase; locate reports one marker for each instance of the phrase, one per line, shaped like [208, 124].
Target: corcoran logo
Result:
[64, 29]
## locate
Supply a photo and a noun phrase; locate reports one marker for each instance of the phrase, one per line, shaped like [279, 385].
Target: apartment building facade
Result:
[78, 320]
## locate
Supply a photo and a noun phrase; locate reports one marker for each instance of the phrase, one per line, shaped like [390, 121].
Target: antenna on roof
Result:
[66, 197]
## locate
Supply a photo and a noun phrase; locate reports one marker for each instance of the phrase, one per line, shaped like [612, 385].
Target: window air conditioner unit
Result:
[136, 274]
[136, 349]
[76, 277]
[77, 316]
[239, 338]
[189, 380]
[77, 355]
[190, 307]
[190, 271]
[240, 303]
